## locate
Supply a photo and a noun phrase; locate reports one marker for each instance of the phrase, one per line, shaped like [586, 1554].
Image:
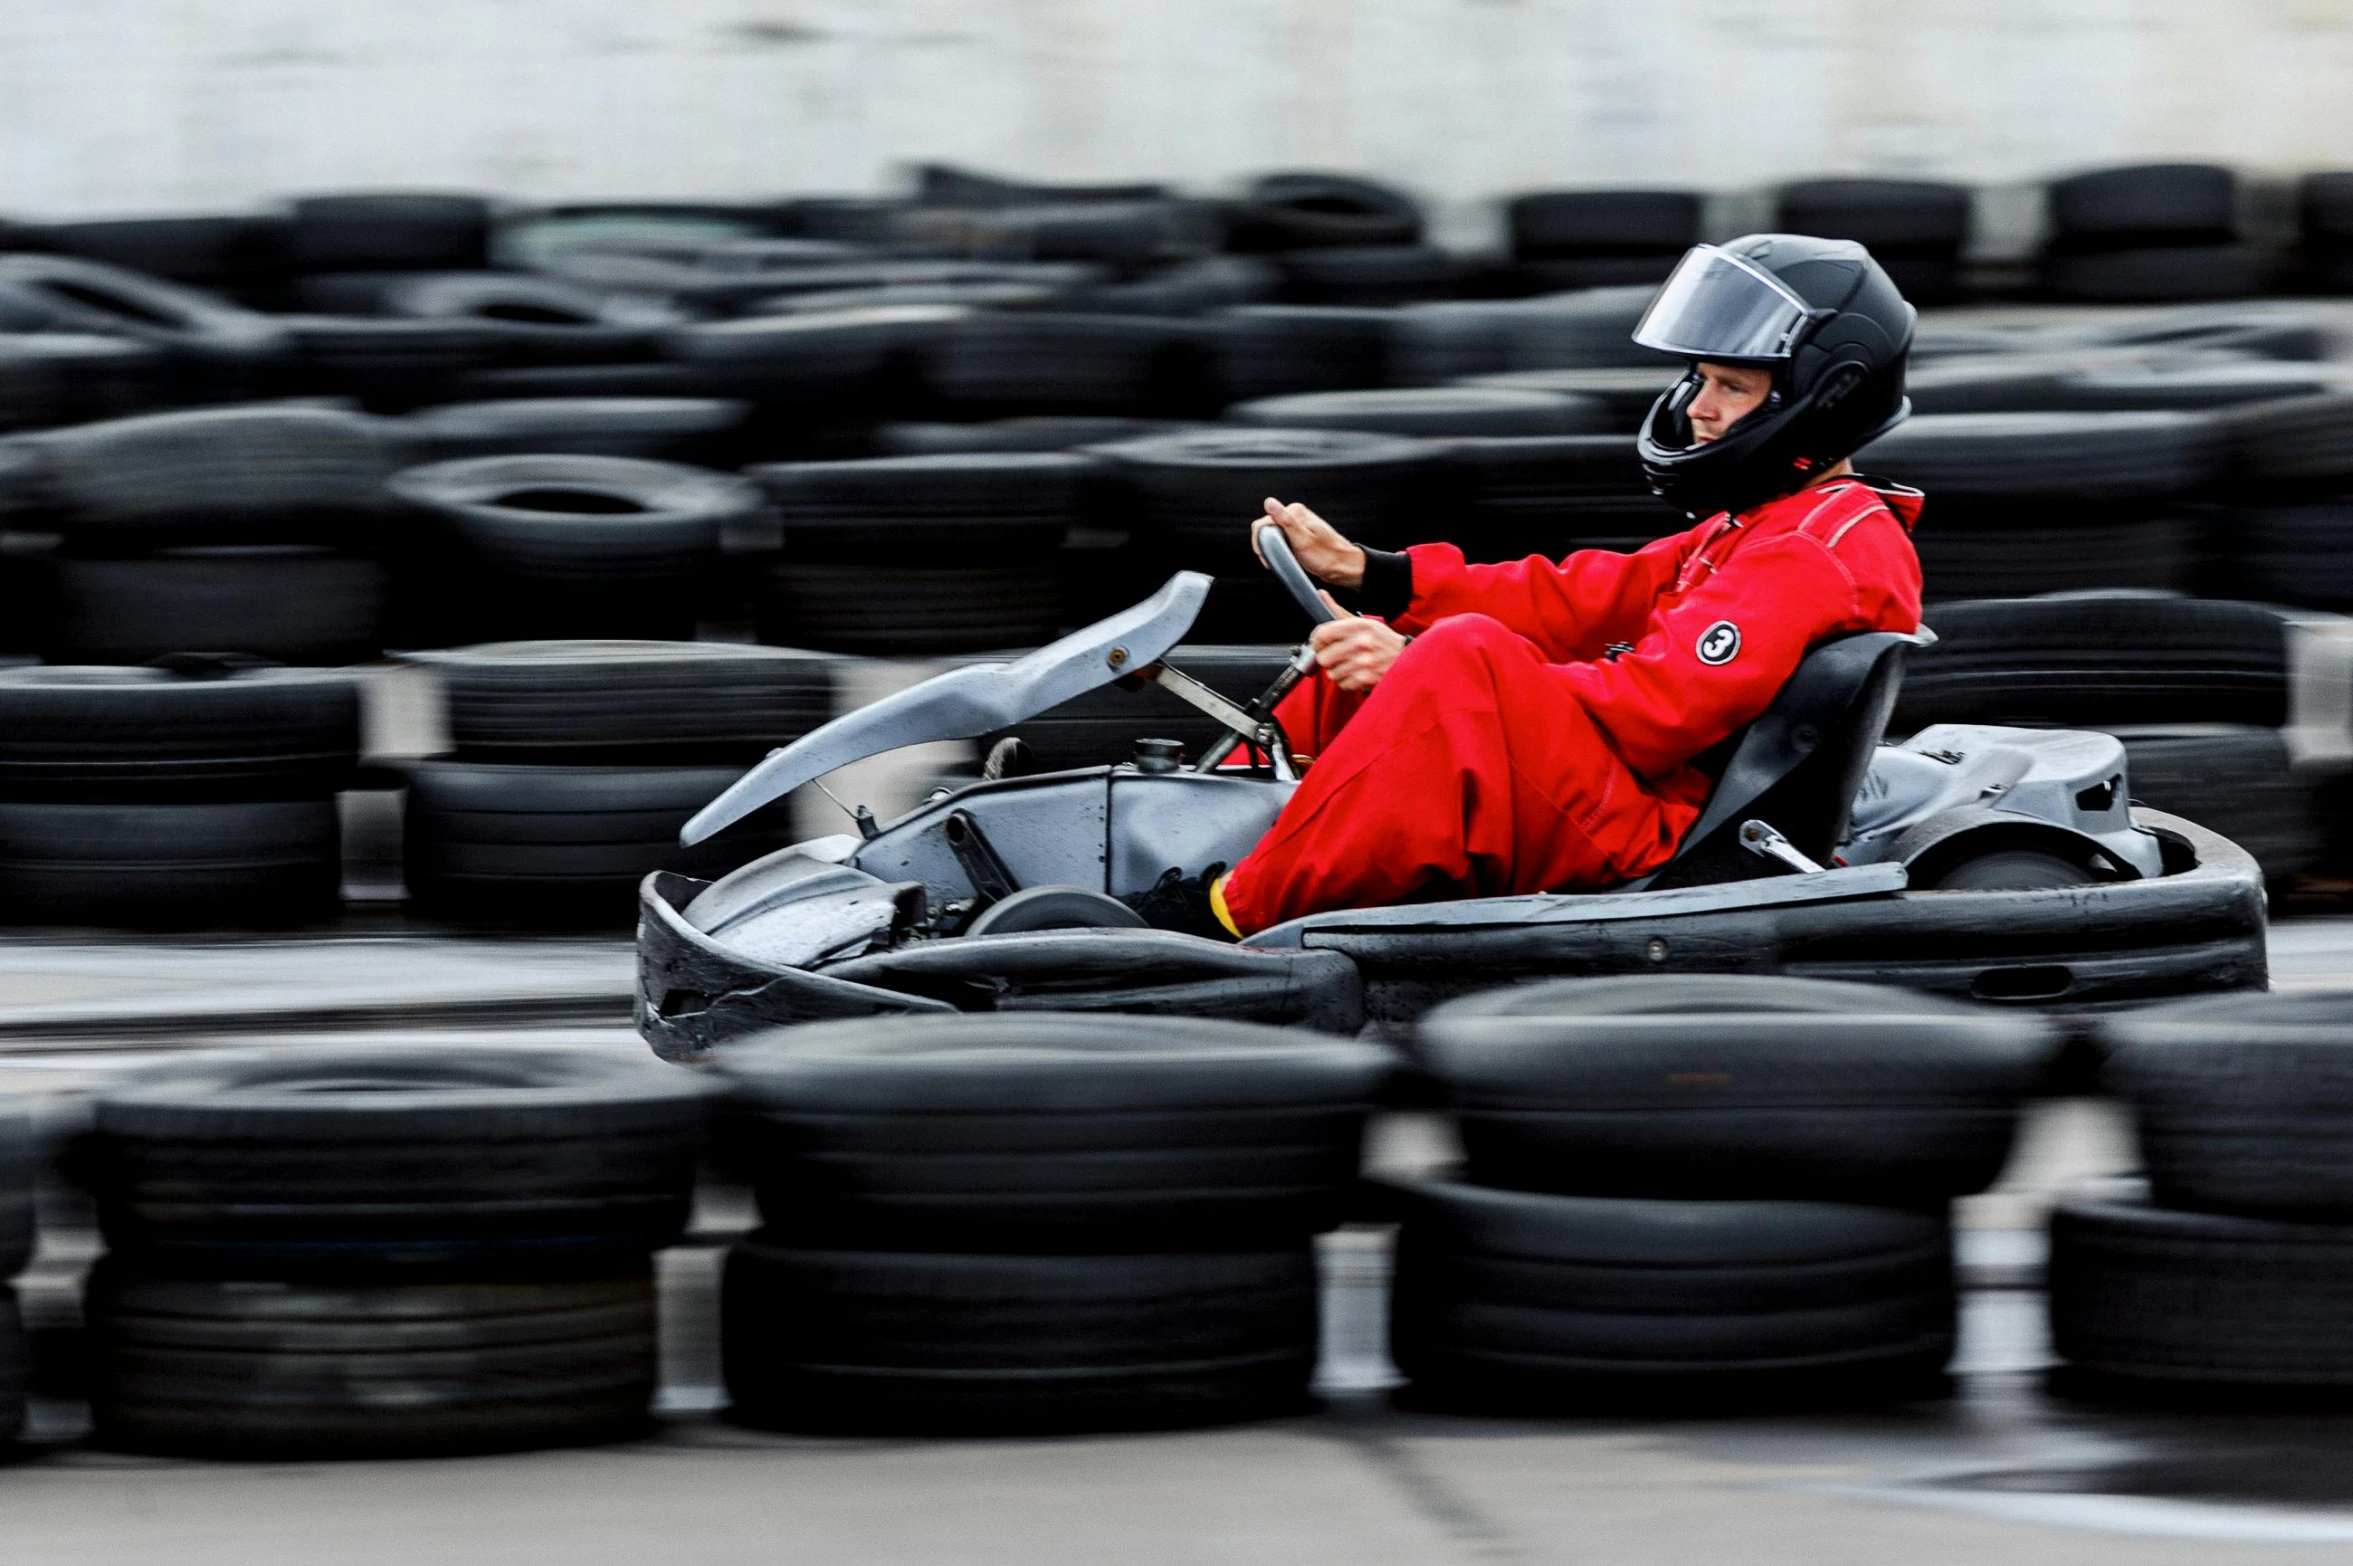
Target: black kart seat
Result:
[1797, 767]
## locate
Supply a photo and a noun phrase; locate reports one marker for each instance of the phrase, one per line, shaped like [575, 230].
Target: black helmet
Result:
[1823, 317]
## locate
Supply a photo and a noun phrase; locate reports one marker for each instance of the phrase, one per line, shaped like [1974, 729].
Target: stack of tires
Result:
[1188, 500]
[575, 764]
[2324, 205]
[1272, 350]
[194, 797]
[1508, 498]
[1342, 241]
[384, 1249]
[2229, 1271]
[1601, 238]
[1716, 1191]
[19, 1167]
[2146, 233]
[205, 349]
[2284, 533]
[997, 1224]
[242, 256]
[536, 547]
[2037, 502]
[2198, 689]
[1916, 229]
[253, 530]
[1589, 329]
[898, 555]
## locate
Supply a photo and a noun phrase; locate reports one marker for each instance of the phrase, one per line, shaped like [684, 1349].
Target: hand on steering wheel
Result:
[1353, 651]
[1320, 549]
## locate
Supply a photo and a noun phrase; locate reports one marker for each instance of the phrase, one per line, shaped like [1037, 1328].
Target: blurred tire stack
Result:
[2148, 232]
[19, 1160]
[1032, 1224]
[1711, 1191]
[383, 1249]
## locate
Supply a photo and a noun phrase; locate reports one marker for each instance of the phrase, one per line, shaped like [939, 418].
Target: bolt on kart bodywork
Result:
[2005, 864]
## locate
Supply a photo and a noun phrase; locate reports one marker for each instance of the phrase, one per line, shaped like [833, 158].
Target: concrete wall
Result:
[146, 105]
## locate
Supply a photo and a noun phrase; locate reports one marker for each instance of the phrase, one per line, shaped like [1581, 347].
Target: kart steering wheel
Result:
[1276, 548]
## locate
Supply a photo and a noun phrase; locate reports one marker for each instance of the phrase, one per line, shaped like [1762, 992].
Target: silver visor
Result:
[1717, 306]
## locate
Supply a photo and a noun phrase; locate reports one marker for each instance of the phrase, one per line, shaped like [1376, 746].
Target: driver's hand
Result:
[1320, 549]
[1354, 651]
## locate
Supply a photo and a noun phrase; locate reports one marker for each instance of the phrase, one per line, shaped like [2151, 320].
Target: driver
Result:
[1486, 730]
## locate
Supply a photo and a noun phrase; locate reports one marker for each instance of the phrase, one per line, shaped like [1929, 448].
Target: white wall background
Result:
[117, 106]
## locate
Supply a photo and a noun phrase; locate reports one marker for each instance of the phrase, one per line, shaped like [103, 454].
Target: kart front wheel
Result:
[2014, 870]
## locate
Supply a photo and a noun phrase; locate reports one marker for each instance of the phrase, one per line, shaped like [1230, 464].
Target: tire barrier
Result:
[383, 1250]
[1545, 495]
[1601, 238]
[1033, 1223]
[1306, 211]
[1431, 413]
[697, 431]
[1916, 229]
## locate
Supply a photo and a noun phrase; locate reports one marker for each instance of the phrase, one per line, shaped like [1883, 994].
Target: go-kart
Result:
[2000, 863]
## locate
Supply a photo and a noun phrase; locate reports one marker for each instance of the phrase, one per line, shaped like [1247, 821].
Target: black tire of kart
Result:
[624, 701]
[1188, 497]
[2242, 1102]
[2116, 458]
[262, 864]
[1101, 728]
[912, 1343]
[568, 843]
[1437, 412]
[1275, 350]
[244, 1369]
[1726, 1087]
[130, 734]
[2141, 1293]
[2155, 274]
[271, 474]
[890, 610]
[1514, 1301]
[1976, 554]
[396, 1159]
[2013, 870]
[693, 430]
[1553, 225]
[287, 603]
[979, 509]
[1299, 211]
[16, 1365]
[2098, 659]
[2238, 781]
[1047, 1134]
[366, 232]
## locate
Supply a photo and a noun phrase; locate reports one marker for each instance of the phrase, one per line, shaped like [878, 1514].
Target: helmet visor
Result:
[1717, 306]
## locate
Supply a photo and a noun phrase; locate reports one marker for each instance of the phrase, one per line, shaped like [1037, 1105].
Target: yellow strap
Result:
[1217, 905]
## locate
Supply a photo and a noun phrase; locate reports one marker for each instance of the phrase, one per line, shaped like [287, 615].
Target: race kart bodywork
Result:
[2005, 864]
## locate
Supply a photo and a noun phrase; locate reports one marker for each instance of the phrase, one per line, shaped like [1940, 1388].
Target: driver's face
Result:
[1727, 394]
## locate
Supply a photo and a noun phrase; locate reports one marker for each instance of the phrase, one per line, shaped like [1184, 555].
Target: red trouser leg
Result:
[1470, 771]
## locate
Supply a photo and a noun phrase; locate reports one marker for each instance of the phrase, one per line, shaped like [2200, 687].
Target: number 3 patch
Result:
[1719, 644]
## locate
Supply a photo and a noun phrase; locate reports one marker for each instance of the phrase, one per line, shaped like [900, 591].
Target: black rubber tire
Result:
[2295, 552]
[995, 508]
[1590, 329]
[1429, 412]
[2098, 659]
[2143, 1294]
[1038, 908]
[532, 320]
[1274, 350]
[1372, 276]
[16, 1366]
[22, 1156]
[1300, 211]
[391, 232]
[1626, 391]
[2027, 549]
[1522, 1302]
[698, 430]
[912, 1343]
[1549, 495]
[288, 603]
[169, 866]
[2242, 1102]
[1897, 219]
[388, 364]
[2014, 870]
[1558, 225]
[1724, 1087]
[57, 378]
[242, 255]
[1044, 362]
[2155, 273]
[2296, 440]
[1048, 432]
[2149, 203]
[281, 474]
[591, 701]
[1039, 1133]
[1189, 498]
[553, 547]
[891, 610]
[833, 360]
[1101, 728]
[290, 1370]
[2194, 387]
[564, 844]
[2078, 457]
[2324, 206]
[2003, 382]
[396, 1159]
[2235, 780]
[945, 185]
[214, 348]
[131, 734]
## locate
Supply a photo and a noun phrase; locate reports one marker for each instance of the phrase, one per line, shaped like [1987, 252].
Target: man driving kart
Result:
[1488, 730]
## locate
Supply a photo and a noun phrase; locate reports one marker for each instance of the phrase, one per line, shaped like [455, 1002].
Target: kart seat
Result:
[1798, 765]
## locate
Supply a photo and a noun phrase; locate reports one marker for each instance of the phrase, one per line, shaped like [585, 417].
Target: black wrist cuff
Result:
[1387, 589]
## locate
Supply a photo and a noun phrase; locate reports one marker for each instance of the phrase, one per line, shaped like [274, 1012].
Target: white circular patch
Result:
[1719, 644]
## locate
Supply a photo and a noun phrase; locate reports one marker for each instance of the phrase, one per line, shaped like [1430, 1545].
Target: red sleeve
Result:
[1714, 659]
[1572, 609]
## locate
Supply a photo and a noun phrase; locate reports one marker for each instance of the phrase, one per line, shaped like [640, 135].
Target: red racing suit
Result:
[1538, 733]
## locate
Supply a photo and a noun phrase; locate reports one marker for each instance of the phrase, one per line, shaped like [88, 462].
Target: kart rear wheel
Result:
[2014, 870]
